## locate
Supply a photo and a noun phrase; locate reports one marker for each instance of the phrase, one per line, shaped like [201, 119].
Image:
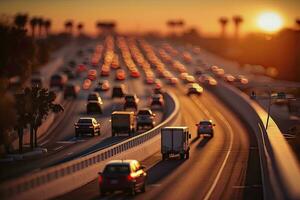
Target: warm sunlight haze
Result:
[270, 22]
[149, 99]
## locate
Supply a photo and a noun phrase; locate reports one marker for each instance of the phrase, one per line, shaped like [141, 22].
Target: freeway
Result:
[224, 167]
[60, 140]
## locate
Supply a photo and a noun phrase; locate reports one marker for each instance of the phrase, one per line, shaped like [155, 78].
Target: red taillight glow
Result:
[100, 179]
[130, 177]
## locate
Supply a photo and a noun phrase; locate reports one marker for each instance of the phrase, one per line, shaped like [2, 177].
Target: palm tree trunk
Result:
[20, 134]
[31, 136]
[35, 137]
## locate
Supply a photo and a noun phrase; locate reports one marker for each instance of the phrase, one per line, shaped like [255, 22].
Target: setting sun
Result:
[270, 22]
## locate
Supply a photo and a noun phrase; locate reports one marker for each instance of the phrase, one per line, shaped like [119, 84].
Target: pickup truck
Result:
[122, 122]
[174, 141]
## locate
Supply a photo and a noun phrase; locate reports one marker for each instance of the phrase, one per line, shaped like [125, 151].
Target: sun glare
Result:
[270, 22]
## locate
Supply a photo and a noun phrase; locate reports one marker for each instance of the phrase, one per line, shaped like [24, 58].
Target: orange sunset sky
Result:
[148, 15]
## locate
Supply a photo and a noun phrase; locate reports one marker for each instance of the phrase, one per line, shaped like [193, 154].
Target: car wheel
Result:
[164, 156]
[102, 193]
[143, 189]
[187, 155]
[181, 156]
[132, 191]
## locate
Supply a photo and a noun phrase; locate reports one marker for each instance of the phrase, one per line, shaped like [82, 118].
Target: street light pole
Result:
[269, 108]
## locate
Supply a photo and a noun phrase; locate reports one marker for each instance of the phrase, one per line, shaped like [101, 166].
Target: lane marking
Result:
[69, 153]
[58, 148]
[45, 142]
[208, 195]
[154, 185]
[220, 116]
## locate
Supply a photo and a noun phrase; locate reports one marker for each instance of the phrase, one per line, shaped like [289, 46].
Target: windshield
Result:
[205, 123]
[85, 121]
[117, 169]
[144, 112]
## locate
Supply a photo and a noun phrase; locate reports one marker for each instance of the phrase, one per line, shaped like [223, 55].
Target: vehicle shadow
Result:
[163, 169]
[203, 142]
[194, 140]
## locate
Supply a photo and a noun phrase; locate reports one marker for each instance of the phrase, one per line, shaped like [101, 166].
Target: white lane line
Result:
[58, 148]
[69, 153]
[154, 185]
[45, 142]
[208, 195]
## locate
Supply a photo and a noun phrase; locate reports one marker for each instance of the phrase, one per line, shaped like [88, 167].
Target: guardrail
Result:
[279, 166]
[68, 176]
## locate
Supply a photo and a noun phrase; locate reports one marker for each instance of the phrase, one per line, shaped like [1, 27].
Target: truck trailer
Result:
[174, 141]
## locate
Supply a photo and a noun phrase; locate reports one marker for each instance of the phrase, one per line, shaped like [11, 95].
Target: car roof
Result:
[118, 162]
[175, 127]
[87, 118]
[207, 120]
[93, 101]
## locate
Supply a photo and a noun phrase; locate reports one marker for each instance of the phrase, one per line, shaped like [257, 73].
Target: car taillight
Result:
[100, 179]
[130, 177]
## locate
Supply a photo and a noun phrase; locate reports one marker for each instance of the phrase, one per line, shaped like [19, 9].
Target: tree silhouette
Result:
[223, 22]
[20, 20]
[106, 27]
[237, 20]
[98, 26]
[17, 52]
[69, 26]
[38, 103]
[297, 21]
[22, 117]
[47, 25]
[80, 27]
[171, 24]
[33, 24]
[40, 26]
[7, 119]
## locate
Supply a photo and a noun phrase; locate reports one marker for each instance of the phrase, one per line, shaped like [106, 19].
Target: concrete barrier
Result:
[68, 176]
[279, 166]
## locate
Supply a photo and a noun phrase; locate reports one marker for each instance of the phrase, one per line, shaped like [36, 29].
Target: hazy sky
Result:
[152, 14]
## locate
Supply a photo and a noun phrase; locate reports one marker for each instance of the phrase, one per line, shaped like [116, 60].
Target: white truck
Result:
[175, 140]
[122, 122]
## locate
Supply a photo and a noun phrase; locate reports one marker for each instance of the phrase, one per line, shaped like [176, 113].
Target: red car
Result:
[125, 175]
[92, 74]
[81, 68]
[135, 74]
[86, 84]
[120, 75]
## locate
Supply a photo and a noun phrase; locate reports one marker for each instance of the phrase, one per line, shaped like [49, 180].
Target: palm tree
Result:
[20, 20]
[223, 22]
[47, 25]
[69, 26]
[180, 24]
[237, 20]
[80, 27]
[171, 24]
[40, 25]
[38, 103]
[99, 26]
[298, 22]
[33, 24]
